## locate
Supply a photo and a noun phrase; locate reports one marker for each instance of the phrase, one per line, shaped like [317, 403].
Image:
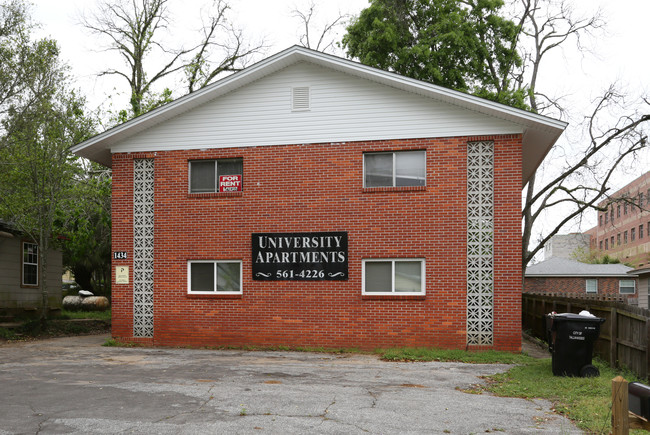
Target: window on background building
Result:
[214, 277]
[641, 231]
[606, 244]
[618, 239]
[394, 169]
[618, 211]
[611, 215]
[606, 217]
[625, 208]
[600, 245]
[600, 220]
[592, 286]
[633, 234]
[626, 286]
[30, 264]
[640, 199]
[393, 276]
[612, 242]
[625, 237]
[223, 175]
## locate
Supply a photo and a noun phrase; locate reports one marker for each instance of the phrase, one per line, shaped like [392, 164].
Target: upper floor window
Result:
[606, 244]
[394, 169]
[618, 239]
[223, 175]
[30, 264]
[632, 234]
[618, 211]
[625, 237]
[601, 245]
[600, 220]
[606, 217]
[394, 276]
[641, 231]
[611, 214]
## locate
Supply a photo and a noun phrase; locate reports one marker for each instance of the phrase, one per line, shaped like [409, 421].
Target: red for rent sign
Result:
[230, 183]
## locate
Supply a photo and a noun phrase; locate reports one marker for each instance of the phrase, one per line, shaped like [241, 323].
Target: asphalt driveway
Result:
[74, 385]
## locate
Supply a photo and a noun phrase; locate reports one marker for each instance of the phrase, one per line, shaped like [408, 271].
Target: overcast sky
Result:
[619, 55]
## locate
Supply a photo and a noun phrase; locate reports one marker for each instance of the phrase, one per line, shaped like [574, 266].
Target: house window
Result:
[633, 234]
[214, 277]
[626, 286]
[396, 169]
[625, 237]
[30, 264]
[618, 239]
[393, 276]
[592, 286]
[223, 175]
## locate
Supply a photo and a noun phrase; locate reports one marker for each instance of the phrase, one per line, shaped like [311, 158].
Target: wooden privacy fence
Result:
[623, 340]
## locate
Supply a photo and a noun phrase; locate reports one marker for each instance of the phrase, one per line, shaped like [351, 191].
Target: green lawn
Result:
[586, 401]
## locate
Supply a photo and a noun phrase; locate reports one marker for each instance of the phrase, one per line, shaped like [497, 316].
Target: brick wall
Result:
[319, 187]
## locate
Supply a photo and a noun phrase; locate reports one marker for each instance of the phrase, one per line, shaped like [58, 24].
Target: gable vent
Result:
[300, 98]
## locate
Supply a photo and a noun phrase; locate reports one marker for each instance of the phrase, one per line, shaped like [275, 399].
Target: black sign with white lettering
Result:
[119, 255]
[300, 256]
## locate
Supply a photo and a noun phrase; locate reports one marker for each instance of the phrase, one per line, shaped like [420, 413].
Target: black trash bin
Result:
[571, 340]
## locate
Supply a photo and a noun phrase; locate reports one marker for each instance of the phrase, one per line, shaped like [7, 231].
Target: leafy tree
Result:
[40, 119]
[87, 229]
[467, 46]
[38, 169]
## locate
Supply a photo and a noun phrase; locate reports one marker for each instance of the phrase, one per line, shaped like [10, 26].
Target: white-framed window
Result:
[591, 286]
[30, 264]
[221, 175]
[394, 169]
[626, 286]
[214, 277]
[393, 276]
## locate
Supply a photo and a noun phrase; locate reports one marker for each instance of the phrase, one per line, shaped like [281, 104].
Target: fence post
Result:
[646, 367]
[620, 413]
[613, 338]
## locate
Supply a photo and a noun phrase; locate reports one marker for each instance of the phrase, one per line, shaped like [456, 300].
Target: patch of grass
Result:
[7, 334]
[586, 401]
[96, 315]
[429, 354]
[111, 342]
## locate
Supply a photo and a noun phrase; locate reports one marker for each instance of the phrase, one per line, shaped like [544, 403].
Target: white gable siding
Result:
[343, 109]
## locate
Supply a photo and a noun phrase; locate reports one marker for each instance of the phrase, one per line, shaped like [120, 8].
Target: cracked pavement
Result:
[74, 385]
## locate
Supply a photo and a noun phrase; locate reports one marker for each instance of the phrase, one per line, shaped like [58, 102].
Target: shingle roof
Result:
[557, 266]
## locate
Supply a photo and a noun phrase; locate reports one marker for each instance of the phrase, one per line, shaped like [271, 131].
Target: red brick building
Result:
[562, 275]
[312, 201]
[622, 230]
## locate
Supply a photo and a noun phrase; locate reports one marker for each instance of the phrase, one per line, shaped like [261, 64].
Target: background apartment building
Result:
[622, 230]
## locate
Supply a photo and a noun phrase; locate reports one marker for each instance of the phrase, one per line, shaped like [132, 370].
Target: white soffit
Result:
[540, 132]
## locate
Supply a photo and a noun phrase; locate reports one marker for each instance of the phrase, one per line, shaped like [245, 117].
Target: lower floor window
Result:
[592, 286]
[209, 277]
[626, 286]
[395, 276]
[30, 264]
